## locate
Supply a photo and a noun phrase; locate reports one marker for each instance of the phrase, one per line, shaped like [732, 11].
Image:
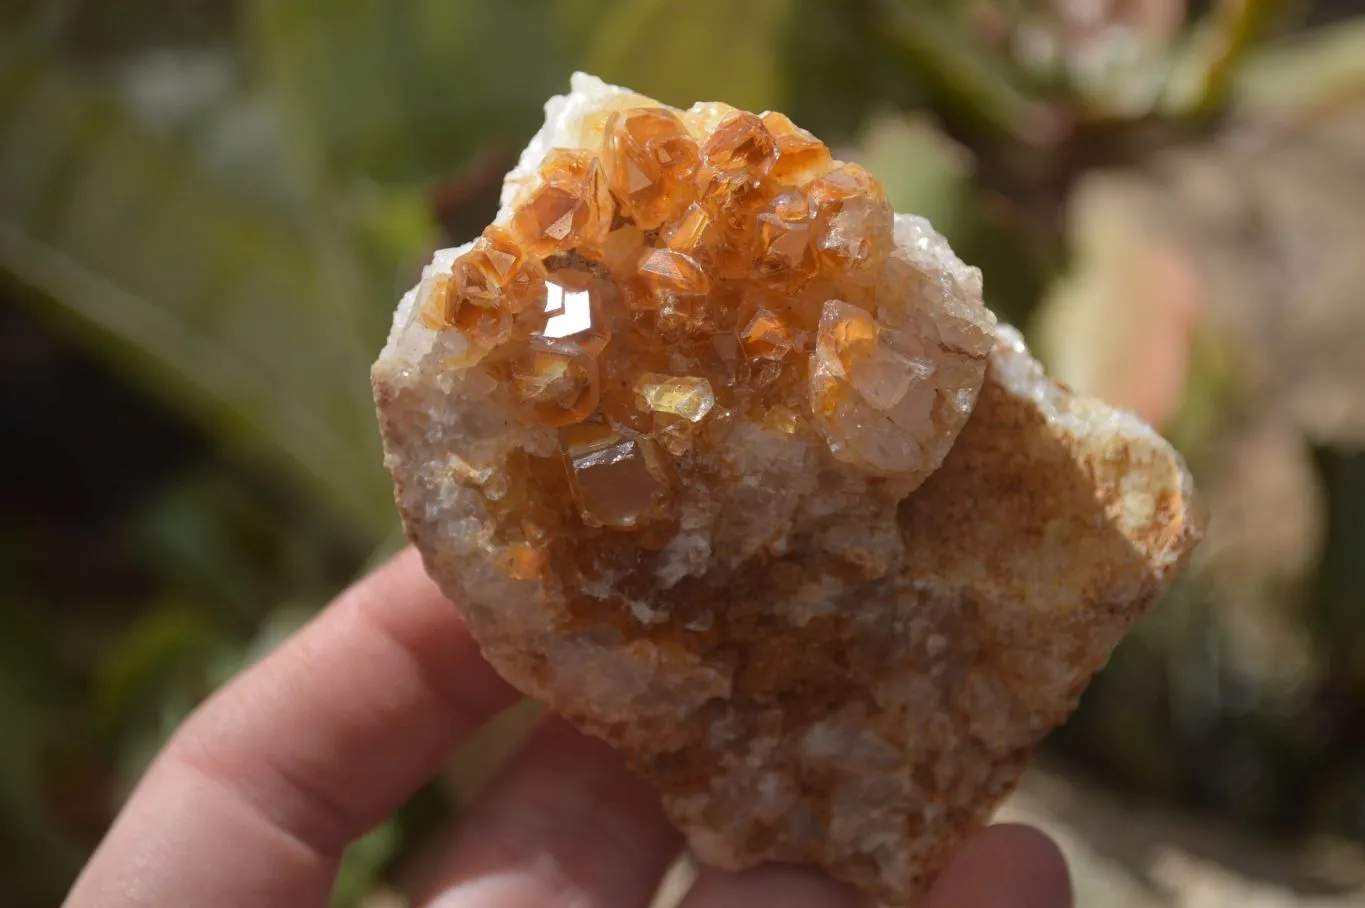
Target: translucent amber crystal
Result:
[873, 396]
[801, 157]
[497, 273]
[554, 383]
[705, 232]
[678, 404]
[621, 413]
[847, 333]
[650, 163]
[731, 198]
[621, 254]
[623, 248]
[766, 336]
[731, 201]
[853, 219]
[483, 290]
[484, 327]
[526, 288]
[741, 143]
[436, 308]
[782, 419]
[732, 180]
[671, 272]
[572, 206]
[695, 232]
[687, 397]
[786, 250]
[612, 480]
[680, 316]
[483, 272]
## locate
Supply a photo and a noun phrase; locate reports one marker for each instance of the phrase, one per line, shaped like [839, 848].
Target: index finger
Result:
[256, 796]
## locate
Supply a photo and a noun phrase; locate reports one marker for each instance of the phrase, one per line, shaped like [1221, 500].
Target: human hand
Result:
[254, 799]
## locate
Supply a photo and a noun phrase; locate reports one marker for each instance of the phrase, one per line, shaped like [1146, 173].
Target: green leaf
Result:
[1203, 77]
[838, 69]
[978, 86]
[405, 91]
[167, 647]
[239, 546]
[166, 662]
[363, 864]
[220, 304]
[195, 534]
[703, 50]
[1307, 73]
[37, 859]
[581, 20]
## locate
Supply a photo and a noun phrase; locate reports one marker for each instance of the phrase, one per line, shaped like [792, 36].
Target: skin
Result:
[256, 796]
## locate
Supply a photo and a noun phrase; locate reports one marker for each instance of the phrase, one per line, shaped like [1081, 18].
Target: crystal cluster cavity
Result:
[689, 273]
[731, 465]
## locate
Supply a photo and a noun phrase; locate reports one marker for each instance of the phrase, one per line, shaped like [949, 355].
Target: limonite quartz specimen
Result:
[731, 465]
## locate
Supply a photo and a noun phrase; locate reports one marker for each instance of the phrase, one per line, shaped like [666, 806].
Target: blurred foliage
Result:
[194, 295]
[207, 209]
[704, 49]
[1217, 290]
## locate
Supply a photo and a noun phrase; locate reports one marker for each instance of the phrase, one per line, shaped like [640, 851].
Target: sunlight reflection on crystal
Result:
[571, 311]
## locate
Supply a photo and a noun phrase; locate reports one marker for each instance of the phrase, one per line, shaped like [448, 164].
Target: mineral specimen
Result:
[732, 466]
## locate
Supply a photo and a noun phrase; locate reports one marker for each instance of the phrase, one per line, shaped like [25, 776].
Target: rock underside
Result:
[731, 466]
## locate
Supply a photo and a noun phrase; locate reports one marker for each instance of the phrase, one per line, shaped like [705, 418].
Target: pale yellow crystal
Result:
[685, 396]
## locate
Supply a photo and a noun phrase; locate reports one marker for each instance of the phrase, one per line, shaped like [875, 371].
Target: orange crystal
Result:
[800, 156]
[612, 481]
[571, 207]
[484, 289]
[488, 267]
[766, 337]
[694, 232]
[786, 251]
[650, 161]
[681, 278]
[553, 383]
[741, 143]
[853, 220]
[671, 272]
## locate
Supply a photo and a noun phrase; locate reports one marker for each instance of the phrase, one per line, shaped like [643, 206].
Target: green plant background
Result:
[208, 209]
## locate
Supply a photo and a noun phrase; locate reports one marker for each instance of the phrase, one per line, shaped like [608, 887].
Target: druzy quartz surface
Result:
[731, 465]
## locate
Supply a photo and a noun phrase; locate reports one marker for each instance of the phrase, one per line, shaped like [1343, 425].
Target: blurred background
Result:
[208, 209]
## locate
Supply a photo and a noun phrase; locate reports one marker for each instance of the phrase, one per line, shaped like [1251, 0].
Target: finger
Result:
[1005, 866]
[564, 823]
[776, 884]
[256, 796]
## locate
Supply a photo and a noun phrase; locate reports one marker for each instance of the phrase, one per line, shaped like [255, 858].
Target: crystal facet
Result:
[650, 161]
[571, 207]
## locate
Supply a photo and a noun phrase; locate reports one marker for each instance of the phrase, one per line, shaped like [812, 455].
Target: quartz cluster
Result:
[732, 466]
